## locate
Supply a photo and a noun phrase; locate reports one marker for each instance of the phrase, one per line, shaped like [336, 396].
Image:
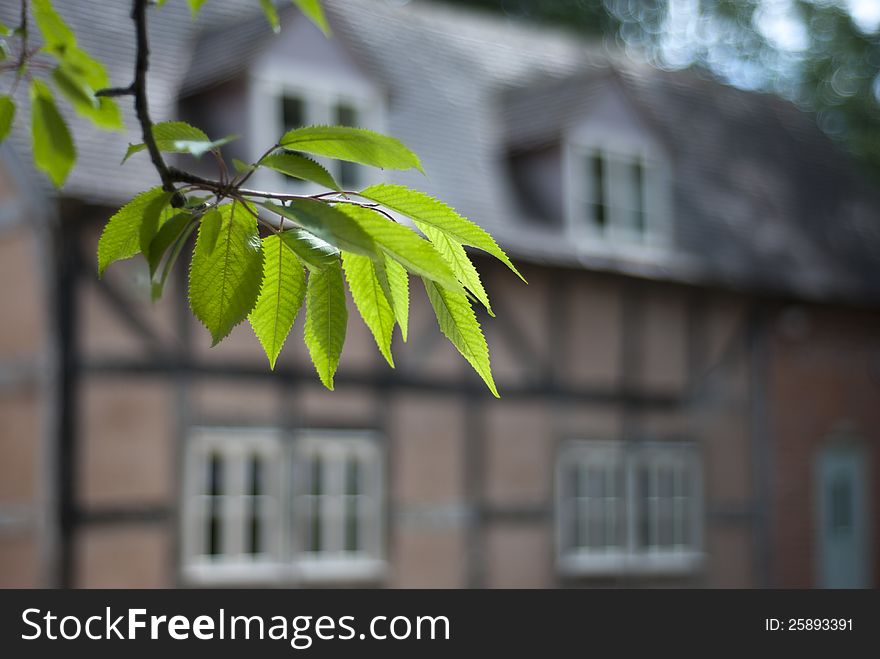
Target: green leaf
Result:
[180, 137]
[166, 236]
[404, 245]
[456, 256]
[4, 50]
[195, 6]
[398, 288]
[242, 167]
[271, 15]
[297, 166]
[158, 284]
[54, 152]
[103, 112]
[312, 9]
[328, 224]
[226, 270]
[7, 114]
[326, 321]
[57, 35]
[315, 253]
[281, 296]
[370, 299]
[80, 74]
[4, 30]
[352, 144]
[459, 324]
[125, 235]
[427, 211]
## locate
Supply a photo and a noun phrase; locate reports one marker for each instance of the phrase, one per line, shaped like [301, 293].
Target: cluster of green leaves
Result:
[310, 246]
[260, 257]
[75, 75]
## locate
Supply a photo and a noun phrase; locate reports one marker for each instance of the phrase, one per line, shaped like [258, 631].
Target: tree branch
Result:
[139, 86]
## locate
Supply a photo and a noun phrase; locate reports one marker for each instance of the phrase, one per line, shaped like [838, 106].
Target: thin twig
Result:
[116, 91]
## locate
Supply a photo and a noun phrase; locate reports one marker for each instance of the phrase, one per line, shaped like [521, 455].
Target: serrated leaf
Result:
[398, 293]
[167, 234]
[281, 296]
[54, 152]
[226, 270]
[297, 166]
[404, 245]
[103, 112]
[370, 299]
[425, 210]
[358, 145]
[459, 324]
[124, 235]
[195, 6]
[326, 321]
[456, 256]
[7, 114]
[328, 224]
[312, 9]
[271, 14]
[315, 253]
[180, 137]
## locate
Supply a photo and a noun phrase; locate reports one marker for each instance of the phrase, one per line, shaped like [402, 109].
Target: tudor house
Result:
[690, 381]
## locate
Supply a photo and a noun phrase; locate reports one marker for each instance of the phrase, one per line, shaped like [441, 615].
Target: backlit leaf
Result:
[370, 299]
[54, 152]
[404, 245]
[315, 253]
[352, 144]
[398, 287]
[122, 236]
[7, 114]
[297, 166]
[226, 272]
[328, 224]
[281, 296]
[271, 14]
[459, 324]
[326, 321]
[425, 210]
[180, 137]
[312, 9]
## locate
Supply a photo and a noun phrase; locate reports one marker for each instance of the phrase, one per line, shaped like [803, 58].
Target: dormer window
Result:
[618, 196]
[301, 108]
[286, 97]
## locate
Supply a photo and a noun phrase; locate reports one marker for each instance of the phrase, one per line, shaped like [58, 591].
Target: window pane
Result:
[347, 115]
[644, 504]
[665, 485]
[254, 524]
[637, 173]
[292, 112]
[215, 521]
[596, 185]
[352, 490]
[316, 483]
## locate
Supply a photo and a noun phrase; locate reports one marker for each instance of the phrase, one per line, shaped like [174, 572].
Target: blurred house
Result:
[690, 381]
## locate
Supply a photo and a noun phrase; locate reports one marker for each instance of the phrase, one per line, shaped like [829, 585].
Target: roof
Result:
[762, 198]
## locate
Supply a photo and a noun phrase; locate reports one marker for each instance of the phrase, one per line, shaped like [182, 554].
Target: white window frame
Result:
[320, 95]
[628, 558]
[284, 561]
[655, 240]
